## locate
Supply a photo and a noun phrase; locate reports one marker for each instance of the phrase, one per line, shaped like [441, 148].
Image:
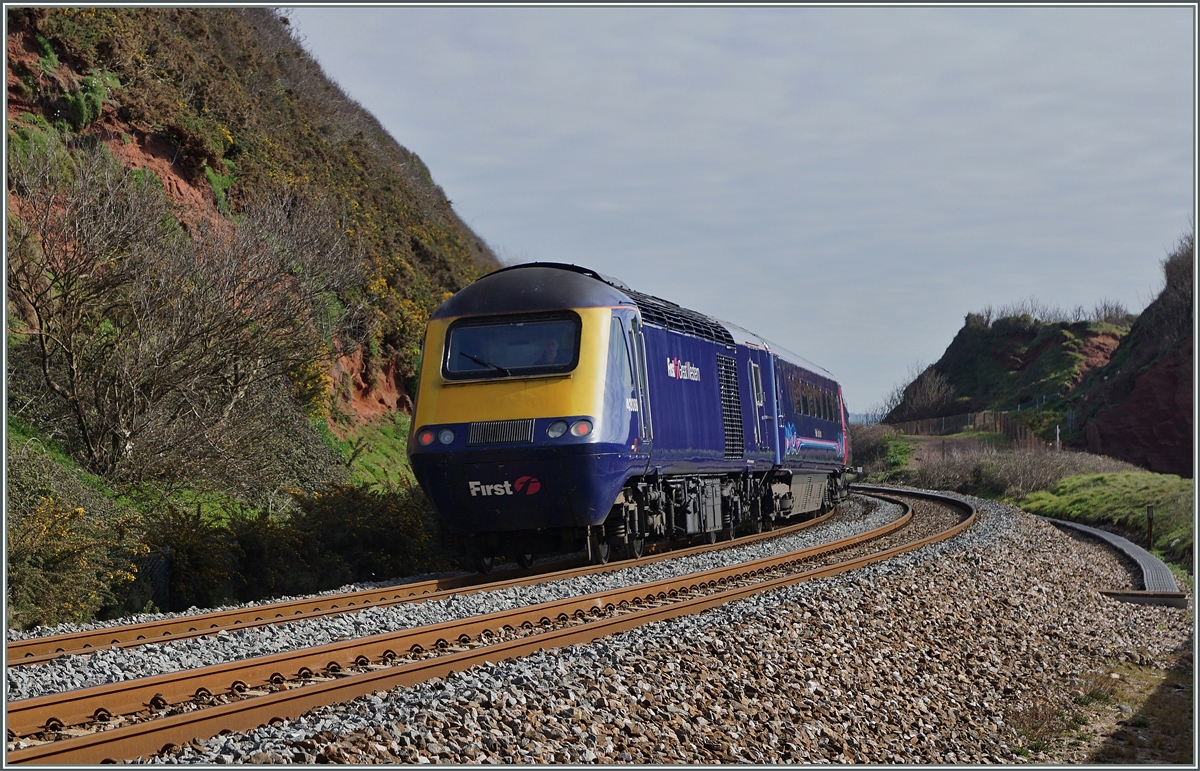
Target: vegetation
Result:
[992, 439]
[998, 364]
[376, 453]
[1120, 499]
[72, 550]
[339, 534]
[880, 449]
[1077, 486]
[169, 385]
[165, 354]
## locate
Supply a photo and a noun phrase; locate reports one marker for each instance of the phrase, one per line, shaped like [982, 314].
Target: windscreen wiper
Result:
[478, 360]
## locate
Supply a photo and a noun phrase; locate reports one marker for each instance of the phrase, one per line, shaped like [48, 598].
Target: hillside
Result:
[1139, 406]
[223, 105]
[219, 272]
[1110, 382]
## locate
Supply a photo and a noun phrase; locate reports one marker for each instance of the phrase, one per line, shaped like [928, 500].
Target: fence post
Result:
[1150, 524]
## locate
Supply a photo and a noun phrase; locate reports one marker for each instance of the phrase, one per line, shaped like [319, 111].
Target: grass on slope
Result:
[1120, 499]
[993, 439]
[376, 454]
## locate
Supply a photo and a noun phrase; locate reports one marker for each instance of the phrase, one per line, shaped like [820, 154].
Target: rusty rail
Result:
[40, 649]
[149, 737]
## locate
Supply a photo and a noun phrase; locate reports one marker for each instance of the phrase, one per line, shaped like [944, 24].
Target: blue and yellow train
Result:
[559, 408]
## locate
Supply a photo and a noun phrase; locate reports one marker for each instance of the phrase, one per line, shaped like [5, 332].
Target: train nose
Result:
[522, 490]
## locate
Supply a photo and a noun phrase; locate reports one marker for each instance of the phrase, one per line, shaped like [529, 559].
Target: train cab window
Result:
[756, 381]
[521, 346]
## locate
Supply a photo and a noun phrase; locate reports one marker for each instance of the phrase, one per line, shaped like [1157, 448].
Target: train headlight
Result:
[581, 428]
[425, 437]
[445, 436]
[556, 429]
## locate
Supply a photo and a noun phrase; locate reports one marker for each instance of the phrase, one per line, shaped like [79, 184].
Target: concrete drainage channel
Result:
[549, 626]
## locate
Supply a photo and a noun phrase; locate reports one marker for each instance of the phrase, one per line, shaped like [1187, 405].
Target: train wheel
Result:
[710, 536]
[636, 548]
[599, 549]
[756, 525]
[483, 563]
[525, 560]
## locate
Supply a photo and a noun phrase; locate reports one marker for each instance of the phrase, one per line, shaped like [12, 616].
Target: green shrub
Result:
[72, 551]
[83, 107]
[879, 448]
[200, 555]
[356, 533]
[220, 185]
[48, 61]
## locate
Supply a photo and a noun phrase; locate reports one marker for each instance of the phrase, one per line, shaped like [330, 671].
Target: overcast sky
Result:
[846, 182]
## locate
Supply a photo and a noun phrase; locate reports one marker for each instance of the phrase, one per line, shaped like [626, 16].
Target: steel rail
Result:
[156, 736]
[153, 736]
[41, 649]
[69, 708]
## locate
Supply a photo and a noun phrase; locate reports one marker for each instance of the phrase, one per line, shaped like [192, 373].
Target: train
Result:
[558, 409]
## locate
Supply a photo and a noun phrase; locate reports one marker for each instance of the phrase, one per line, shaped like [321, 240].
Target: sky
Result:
[846, 182]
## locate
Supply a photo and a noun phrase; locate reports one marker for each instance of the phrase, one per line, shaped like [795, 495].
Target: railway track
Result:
[141, 717]
[37, 650]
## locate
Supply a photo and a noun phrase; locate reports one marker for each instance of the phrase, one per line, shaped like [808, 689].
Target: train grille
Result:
[500, 431]
[731, 406]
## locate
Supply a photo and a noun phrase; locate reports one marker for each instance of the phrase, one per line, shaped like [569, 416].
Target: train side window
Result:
[807, 396]
[756, 380]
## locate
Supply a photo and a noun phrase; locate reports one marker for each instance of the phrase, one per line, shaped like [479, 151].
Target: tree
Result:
[169, 352]
[926, 393]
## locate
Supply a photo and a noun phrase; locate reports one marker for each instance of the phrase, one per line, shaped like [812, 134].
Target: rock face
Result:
[1153, 426]
[365, 400]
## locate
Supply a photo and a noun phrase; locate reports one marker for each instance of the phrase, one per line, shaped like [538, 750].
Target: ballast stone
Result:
[804, 674]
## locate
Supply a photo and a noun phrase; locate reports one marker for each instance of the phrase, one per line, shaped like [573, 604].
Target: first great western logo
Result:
[522, 486]
[682, 370]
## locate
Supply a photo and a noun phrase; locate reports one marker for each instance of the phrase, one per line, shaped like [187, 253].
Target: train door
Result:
[637, 349]
[764, 411]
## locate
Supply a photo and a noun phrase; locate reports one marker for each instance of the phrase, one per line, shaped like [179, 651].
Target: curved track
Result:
[39, 649]
[266, 689]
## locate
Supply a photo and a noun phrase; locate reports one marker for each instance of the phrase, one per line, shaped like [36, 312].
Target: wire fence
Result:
[1017, 434]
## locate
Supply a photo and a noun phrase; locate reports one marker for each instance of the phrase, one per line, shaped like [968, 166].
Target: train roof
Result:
[535, 286]
[538, 286]
[745, 337]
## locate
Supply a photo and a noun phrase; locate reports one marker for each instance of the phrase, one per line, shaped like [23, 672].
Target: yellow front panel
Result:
[580, 392]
